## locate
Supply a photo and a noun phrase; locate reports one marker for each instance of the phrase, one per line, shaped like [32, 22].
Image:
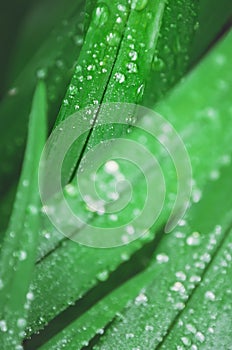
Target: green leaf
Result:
[204, 101]
[211, 24]
[20, 244]
[117, 55]
[124, 44]
[206, 322]
[54, 60]
[154, 299]
[184, 262]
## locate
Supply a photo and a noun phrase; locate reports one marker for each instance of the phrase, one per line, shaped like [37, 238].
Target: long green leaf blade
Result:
[151, 300]
[69, 253]
[20, 245]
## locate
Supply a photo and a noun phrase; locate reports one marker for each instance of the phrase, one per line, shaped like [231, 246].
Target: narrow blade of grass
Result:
[20, 244]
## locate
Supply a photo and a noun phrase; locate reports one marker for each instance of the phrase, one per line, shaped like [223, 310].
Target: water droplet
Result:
[162, 258]
[41, 73]
[133, 55]
[139, 5]
[199, 336]
[13, 91]
[1, 284]
[210, 295]
[149, 328]
[196, 195]
[32, 209]
[65, 102]
[101, 15]
[111, 167]
[141, 299]
[181, 222]
[195, 279]
[90, 67]
[178, 287]
[22, 255]
[220, 60]
[121, 8]
[132, 67]
[179, 306]
[100, 331]
[214, 175]
[113, 217]
[3, 326]
[21, 323]
[194, 239]
[78, 69]
[30, 296]
[71, 190]
[103, 275]
[186, 341]
[119, 77]
[181, 275]
[191, 328]
[226, 159]
[130, 230]
[129, 335]
[72, 89]
[140, 90]
[84, 343]
[25, 183]
[78, 40]
[113, 38]
[18, 347]
[125, 257]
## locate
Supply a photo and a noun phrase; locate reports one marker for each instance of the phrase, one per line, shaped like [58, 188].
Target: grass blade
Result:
[68, 253]
[54, 60]
[19, 247]
[143, 308]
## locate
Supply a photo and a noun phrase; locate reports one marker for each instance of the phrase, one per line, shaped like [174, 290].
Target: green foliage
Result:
[162, 290]
[21, 239]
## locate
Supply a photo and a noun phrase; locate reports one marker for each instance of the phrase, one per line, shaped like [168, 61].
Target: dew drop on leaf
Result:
[41, 73]
[101, 15]
[111, 167]
[22, 255]
[113, 38]
[141, 299]
[139, 5]
[129, 335]
[210, 295]
[186, 341]
[162, 258]
[71, 190]
[133, 55]
[181, 275]
[191, 328]
[13, 91]
[103, 275]
[119, 77]
[200, 337]
[132, 67]
[25, 183]
[21, 322]
[194, 239]
[3, 326]
[140, 90]
[30, 296]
